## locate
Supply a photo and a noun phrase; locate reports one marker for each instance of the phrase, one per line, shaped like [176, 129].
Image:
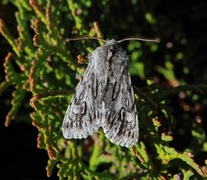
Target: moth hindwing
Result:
[104, 98]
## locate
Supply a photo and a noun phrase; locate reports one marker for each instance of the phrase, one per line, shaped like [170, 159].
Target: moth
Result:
[104, 98]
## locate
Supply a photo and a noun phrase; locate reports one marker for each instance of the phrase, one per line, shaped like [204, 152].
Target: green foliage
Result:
[48, 71]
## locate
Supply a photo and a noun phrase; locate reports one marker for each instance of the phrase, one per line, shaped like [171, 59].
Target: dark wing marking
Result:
[83, 115]
[121, 119]
[104, 98]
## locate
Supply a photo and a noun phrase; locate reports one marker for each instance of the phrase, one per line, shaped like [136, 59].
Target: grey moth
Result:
[104, 98]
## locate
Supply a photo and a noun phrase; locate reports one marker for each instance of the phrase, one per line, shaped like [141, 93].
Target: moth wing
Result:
[121, 119]
[84, 114]
[79, 120]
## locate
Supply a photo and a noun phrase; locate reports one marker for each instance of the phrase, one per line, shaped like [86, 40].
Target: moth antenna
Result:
[139, 39]
[83, 37]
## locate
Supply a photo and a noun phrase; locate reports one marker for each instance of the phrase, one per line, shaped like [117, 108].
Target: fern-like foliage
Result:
[48, 69]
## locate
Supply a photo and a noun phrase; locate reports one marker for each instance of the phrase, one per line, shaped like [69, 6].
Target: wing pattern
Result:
[104, 98]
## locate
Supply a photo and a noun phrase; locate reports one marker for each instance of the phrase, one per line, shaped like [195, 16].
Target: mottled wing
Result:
[104, 98]
[84, 114]
[79, 120]
[118, 106]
